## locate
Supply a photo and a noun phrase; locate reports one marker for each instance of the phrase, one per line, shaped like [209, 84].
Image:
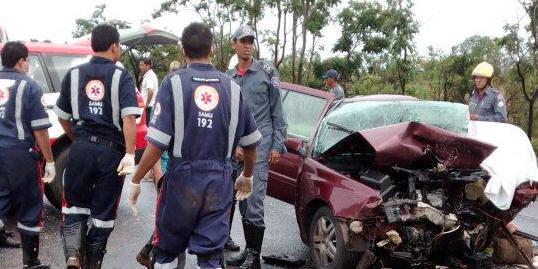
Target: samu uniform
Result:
[491, 107]
[95, 96]
[200, 117]
[21, 113]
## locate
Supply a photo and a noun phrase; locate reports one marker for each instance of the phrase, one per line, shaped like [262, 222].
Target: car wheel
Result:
[327, 248]
[54, 190]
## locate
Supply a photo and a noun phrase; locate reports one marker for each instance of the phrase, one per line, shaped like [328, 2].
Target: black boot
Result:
[248, 233]
[6, 241]
[73, 237]
[230, 244]
[143, 257]
[30, 251]
[94, 254]
[252, 260]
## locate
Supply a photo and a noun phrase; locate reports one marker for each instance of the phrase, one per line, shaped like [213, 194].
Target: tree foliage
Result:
[85, 26]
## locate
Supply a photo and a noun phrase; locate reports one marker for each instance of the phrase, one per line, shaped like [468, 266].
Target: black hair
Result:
[12, 52]
[197, 40]
[103, 36]
[146, 61]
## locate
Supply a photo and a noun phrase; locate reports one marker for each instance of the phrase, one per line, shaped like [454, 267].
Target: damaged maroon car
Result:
[388, 181]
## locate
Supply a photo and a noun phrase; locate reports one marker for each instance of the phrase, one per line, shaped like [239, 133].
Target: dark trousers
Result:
[21, 188]
[192, 211]
[92, 188]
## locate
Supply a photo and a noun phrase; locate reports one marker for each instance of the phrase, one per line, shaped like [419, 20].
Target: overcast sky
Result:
[442, 23]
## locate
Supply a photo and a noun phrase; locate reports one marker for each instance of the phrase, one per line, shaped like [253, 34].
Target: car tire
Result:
[327, 248]
[54, 190]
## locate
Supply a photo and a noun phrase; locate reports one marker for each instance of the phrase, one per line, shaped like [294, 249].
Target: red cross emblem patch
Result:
[206, 98]
[4, 96]
[95, 90]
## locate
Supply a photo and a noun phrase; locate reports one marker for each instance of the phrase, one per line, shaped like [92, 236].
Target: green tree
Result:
[218, 15]
[400, 28]
[85, 26]
[362, 35]
[520, 53]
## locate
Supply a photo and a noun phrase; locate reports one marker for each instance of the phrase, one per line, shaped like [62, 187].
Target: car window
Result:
[358, 116]
[302, 112]
[59, 64]
[37, 73]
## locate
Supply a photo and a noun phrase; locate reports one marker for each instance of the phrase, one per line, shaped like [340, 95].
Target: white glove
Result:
[133, 197]
[127, 165]
[50, 173]
[243, 185]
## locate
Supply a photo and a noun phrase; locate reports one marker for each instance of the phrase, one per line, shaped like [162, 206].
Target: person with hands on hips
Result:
[97, 109]
[23, 124]
[200, 118]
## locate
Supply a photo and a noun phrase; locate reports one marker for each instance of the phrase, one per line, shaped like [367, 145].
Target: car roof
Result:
[381, 97]
[34, 47]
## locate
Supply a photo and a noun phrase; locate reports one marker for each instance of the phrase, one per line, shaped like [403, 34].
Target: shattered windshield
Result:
[358, 116]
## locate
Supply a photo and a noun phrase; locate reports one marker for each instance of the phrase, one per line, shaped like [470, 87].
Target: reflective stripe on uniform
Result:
[130, 111]
[159, 136]
[250, 139]
[236, 93]
[18, 109]
[115, 100]
[1, 224]
[60, 113]
[103, 223]
[74, 93]
[76, 210]
[41, 122]
[26, 228]
[170, 265]
[177, 92]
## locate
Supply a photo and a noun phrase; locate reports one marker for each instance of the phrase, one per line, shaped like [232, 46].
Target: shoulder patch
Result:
[275, 81]
[267, 68]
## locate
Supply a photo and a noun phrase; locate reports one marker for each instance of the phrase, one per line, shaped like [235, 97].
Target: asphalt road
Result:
[130, 233]
[282, 234]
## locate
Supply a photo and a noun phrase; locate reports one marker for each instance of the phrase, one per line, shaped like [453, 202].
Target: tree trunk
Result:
[255, 24]
[306, 18]
[530, 120]
[284, 41]
[309, 68]
[294, 47]
[277, 42]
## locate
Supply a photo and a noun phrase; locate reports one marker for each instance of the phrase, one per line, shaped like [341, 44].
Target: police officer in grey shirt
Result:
[331, 81]
[486, 102]
[259, 82]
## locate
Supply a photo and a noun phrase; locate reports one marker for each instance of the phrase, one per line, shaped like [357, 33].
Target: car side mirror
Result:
[295, 146]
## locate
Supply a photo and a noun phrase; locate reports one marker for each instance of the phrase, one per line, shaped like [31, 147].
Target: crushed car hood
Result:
[406, 143]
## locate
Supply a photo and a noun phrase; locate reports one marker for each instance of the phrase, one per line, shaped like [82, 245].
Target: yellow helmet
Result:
[483, 69]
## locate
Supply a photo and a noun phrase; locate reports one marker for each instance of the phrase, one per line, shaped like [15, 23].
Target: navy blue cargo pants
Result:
[21, 188]
[92, 188]
[192, 212]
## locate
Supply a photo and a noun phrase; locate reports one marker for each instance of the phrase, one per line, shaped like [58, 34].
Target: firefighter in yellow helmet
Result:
[486, 103]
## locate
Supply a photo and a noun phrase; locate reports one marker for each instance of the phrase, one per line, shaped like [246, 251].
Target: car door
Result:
[303, 108]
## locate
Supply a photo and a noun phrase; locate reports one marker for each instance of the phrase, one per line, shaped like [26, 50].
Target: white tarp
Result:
[511, 164]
